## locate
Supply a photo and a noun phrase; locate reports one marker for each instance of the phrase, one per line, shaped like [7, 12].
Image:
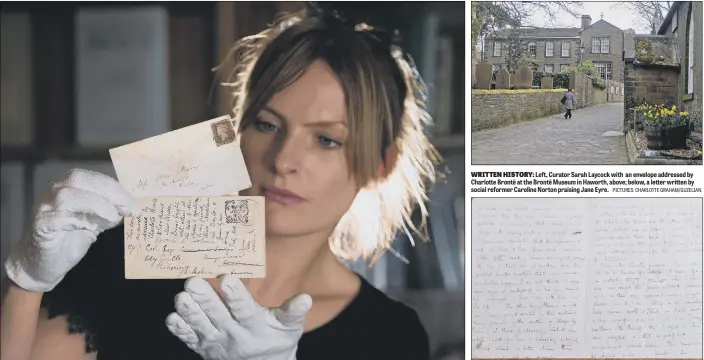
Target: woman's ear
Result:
[389, 164]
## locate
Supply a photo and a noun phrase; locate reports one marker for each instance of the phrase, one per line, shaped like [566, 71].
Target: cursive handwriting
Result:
[587, 278]
[528, 277]
[179, 179]
[646, 280]
[189, 236]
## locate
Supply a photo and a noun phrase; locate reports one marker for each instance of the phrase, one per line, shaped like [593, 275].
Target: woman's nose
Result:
[287, 159]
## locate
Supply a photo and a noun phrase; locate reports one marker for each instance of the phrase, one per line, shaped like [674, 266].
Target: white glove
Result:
[244, 332]
[67, 220]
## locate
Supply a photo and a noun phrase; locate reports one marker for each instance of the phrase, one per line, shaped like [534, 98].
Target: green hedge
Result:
[559, 80]
[599, 82]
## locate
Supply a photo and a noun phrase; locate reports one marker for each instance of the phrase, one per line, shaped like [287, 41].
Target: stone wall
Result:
[497, 108]
[584, 90]
[494, 108]
[651, 72]
[654, 84]
[588, 94]
[651, 84]
[614, 92]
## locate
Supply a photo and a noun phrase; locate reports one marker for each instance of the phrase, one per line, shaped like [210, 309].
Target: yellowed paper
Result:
[198, 160]
[182, 237]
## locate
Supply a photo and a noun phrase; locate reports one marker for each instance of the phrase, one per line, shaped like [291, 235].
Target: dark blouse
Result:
[124, 319]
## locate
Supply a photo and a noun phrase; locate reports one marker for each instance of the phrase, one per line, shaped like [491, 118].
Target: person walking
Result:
[568, 100]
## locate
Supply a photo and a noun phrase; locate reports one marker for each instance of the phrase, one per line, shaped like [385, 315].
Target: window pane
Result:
[549, 48]
[605, 45]
[531, 48]
[608, 71]
[596, 45]
[548, 68]
[600, 69]
[497, 48]
[565, 49]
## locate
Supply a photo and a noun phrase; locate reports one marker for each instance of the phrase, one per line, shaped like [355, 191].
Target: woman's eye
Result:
[264, 126]
[328, 142]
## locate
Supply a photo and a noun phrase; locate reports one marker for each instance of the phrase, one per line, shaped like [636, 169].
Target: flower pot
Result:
[667, 138]
[638, 120]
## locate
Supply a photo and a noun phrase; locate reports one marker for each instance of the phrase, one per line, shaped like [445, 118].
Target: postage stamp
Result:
[237, 211]
[223, 132]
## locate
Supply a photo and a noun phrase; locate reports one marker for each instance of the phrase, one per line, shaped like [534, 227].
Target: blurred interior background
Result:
[80, 78]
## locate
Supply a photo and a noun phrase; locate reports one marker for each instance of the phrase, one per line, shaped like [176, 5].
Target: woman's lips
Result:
[282, 196]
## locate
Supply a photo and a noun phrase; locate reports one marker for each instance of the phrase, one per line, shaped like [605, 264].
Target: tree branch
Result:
[490, 16]
[649, 12]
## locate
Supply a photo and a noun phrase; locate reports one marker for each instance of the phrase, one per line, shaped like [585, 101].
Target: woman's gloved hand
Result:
[67, 220]
[238, 328]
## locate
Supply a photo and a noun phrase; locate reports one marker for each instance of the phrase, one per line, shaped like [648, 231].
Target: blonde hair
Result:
[386, 106]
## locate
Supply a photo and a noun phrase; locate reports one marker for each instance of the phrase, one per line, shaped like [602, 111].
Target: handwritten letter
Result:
[581, 278]
[646, 278]
[528, 278]
[181, 237]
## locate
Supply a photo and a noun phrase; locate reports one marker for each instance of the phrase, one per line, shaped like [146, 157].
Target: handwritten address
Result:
[181, 179]
[178, 237]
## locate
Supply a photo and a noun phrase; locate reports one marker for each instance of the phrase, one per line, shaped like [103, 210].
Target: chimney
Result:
[586, 21]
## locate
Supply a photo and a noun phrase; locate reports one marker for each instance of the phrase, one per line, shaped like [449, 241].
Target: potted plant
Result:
[665, 129]
[638, 120]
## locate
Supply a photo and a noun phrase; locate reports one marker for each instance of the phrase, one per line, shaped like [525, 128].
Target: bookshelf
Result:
[40, 137]
[436, 42]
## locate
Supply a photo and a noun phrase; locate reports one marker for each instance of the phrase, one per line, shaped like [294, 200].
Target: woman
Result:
[330, 119]
[569, 102]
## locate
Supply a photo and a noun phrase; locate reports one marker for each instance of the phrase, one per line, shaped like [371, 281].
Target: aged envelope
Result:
[182, 237]
[198, 160]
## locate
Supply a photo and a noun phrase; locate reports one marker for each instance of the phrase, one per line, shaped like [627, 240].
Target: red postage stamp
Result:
[223, 132]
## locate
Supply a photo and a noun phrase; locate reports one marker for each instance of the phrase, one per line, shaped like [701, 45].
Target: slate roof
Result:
[541, 32]
[668, 18]
[604, 21]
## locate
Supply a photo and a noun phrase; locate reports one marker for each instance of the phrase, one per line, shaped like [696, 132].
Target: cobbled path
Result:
[556, 141]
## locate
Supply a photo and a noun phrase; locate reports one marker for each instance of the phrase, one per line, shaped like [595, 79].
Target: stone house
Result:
[603, 44]
[550, 49]
[554, 49]
[684, 22]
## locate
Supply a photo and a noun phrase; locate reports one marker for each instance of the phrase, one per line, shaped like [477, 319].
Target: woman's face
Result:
[295, 155]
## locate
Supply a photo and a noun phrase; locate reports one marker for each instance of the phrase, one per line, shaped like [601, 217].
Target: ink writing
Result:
[188, 236]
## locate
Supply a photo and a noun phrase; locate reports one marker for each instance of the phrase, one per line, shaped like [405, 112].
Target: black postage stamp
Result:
[223, 132]
[237, 211]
